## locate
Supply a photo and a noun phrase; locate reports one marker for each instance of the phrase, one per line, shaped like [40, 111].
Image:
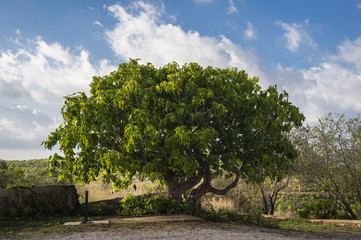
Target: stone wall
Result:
[43, 201]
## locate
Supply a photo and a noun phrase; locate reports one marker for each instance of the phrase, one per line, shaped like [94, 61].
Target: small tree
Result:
[270, 190]
[181, 125]
[330, 156]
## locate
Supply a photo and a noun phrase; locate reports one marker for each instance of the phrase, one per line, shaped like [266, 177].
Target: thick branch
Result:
[225, 190]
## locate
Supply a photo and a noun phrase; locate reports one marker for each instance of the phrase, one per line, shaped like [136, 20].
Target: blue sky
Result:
[49, 49]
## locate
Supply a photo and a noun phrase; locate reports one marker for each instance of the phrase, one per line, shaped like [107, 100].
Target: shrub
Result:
[323, 209]
[151, 204]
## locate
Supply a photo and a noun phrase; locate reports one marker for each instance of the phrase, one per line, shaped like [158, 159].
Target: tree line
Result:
[26, 173]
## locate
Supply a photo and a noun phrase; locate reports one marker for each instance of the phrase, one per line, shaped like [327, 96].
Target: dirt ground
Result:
[187, 230]
[169, 227]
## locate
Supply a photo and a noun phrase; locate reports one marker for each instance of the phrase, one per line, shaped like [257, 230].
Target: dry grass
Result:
[219, 203]
[103, 191]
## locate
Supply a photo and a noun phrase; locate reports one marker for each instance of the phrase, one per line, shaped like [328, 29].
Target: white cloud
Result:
[41, 74]
[250, 33]
[296, 34]
[47, 72]
[335, 84]
[142, 34]
[350, 52]
[332, 86]
[358, 5]
[232, 8]
[23, 127]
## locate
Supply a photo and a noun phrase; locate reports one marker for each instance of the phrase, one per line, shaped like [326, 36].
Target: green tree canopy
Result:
[182, 125]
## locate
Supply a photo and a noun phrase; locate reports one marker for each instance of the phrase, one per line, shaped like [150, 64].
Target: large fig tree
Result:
[181, 125]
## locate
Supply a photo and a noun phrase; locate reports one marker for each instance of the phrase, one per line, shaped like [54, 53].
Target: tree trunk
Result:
[272, 206]
[266, 207]
[177, 189]
[196, 194]
[174, 191]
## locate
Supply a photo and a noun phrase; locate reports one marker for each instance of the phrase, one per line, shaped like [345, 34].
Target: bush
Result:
[323, 209]
[151, 204]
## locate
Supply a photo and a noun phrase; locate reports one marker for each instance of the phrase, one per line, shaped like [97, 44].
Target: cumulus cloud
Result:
[331, 86]
[335, 81]
[250, 33]
[46, 72]
[296, 34]
[335, 84]
[140, 33]
[350, 52]
[39, 73]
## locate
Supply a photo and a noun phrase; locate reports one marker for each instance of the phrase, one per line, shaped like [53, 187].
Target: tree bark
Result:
[177, 189]
[205, 187]
[272, 206]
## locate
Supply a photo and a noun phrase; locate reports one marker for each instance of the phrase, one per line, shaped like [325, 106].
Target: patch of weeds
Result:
[103, 228]
[66, 229]
[53, 223]
[43, 230]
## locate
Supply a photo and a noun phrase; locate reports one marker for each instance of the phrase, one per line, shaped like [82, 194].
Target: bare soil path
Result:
[182, 227]
[191, 230]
